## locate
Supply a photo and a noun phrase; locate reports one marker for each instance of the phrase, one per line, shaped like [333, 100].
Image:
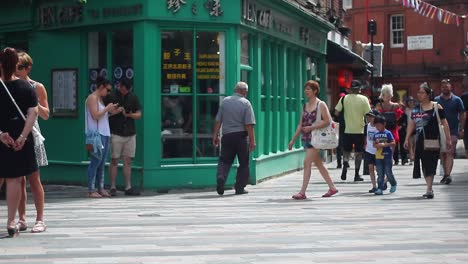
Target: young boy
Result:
[369, 154]
[383, 142]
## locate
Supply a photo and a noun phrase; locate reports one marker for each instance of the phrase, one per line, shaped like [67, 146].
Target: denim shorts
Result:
[307, 145]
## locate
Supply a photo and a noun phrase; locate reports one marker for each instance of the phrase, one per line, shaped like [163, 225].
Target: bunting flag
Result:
[430, 11]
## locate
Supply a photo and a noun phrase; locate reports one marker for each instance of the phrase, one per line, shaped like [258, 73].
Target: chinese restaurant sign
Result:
[213, 7]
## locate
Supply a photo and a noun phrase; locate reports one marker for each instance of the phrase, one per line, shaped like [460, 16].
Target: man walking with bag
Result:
[238, 138]
[357, 106]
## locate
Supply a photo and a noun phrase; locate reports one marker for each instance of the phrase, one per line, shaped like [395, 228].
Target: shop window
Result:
[122, 55]
[397, 31]
[188, 108]
[97, 57]
[176, 57]
[206, 113]
[245, 49]
[176, 117]
[209, 60]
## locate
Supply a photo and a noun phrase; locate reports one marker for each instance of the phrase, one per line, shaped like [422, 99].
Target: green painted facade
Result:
[272, 45]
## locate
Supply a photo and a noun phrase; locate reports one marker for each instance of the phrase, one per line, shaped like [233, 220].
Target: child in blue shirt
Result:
[384, 143]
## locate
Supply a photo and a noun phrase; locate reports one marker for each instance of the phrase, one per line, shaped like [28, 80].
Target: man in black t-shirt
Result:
[123, 134]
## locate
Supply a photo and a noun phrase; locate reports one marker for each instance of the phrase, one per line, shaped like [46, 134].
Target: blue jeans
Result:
[384, 167]
[96, 167]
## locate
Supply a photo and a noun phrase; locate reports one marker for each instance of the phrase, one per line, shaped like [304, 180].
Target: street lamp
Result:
[372, 31]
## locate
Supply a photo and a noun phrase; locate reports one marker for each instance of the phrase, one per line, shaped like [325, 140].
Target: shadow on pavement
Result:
[212, 196]
[289, 200]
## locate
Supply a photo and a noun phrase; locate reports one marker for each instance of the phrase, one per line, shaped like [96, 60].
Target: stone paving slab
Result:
[264, 226]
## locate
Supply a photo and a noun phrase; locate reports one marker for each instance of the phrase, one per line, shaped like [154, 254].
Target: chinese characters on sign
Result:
[173, 67]
[214, 7]
[175, 5]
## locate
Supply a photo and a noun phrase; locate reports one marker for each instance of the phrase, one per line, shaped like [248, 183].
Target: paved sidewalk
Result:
[264, 226]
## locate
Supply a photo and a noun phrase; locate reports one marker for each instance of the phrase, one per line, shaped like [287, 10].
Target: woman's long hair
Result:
[9, 60]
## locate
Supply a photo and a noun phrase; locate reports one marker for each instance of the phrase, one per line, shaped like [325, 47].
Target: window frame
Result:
[393, 30]
[347, 4]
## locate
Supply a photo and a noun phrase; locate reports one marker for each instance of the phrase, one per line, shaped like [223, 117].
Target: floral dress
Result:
[308, 118]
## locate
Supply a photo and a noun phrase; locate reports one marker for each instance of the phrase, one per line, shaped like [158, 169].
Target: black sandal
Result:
[13, 231]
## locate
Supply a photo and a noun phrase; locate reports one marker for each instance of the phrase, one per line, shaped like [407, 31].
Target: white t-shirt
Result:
[371, 130]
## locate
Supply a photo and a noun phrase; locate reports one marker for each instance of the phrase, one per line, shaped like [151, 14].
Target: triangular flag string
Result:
[430, 11]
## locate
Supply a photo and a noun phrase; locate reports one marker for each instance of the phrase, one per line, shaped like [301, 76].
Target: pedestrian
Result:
[410, 104]
[454, 113]
[384, 144]
[237, 119]
[97, 120]
[23, 71]
[307, 123]
[424, 120]
[392, 113]
[17, 157]
[464, 98]
[369, 154]
[123, 134]
[354, 130]
[339, 149]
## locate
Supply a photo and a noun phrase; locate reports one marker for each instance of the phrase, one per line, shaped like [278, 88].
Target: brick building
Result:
[416, 48]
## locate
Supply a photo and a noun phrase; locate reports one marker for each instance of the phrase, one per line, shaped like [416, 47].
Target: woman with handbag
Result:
[17, 157]
[97, 121]
[307, 123]
[22, 71]
[429, 139]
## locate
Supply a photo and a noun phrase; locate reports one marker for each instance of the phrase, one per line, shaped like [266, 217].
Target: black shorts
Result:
[353, 139]
[369, 158]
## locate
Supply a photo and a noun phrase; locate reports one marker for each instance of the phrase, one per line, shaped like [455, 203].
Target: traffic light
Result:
[372, 27]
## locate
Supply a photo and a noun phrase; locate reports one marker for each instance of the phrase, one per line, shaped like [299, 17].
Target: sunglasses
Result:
[21, 67]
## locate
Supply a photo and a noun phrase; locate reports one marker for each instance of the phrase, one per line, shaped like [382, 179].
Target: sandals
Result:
[13, 231]
[103, 193]
[299, 196]
[39, 227]
[330, 193]
[94, 195]
[22, 225]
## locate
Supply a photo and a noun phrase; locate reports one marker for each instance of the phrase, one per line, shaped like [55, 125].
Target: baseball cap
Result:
[446, 80]
[355, 84]
[373, 113]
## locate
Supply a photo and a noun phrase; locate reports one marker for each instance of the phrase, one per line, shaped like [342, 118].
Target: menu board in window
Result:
[64, 92]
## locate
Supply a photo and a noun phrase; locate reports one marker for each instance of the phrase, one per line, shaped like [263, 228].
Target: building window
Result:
[397, 30]
[347, 4]
[192, 86]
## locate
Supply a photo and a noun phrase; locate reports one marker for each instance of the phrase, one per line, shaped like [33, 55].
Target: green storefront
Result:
[182, 57]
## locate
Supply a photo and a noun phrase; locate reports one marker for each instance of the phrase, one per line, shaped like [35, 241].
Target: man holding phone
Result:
[123, 134]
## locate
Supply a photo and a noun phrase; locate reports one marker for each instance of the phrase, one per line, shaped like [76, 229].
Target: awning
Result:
[338, 54]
